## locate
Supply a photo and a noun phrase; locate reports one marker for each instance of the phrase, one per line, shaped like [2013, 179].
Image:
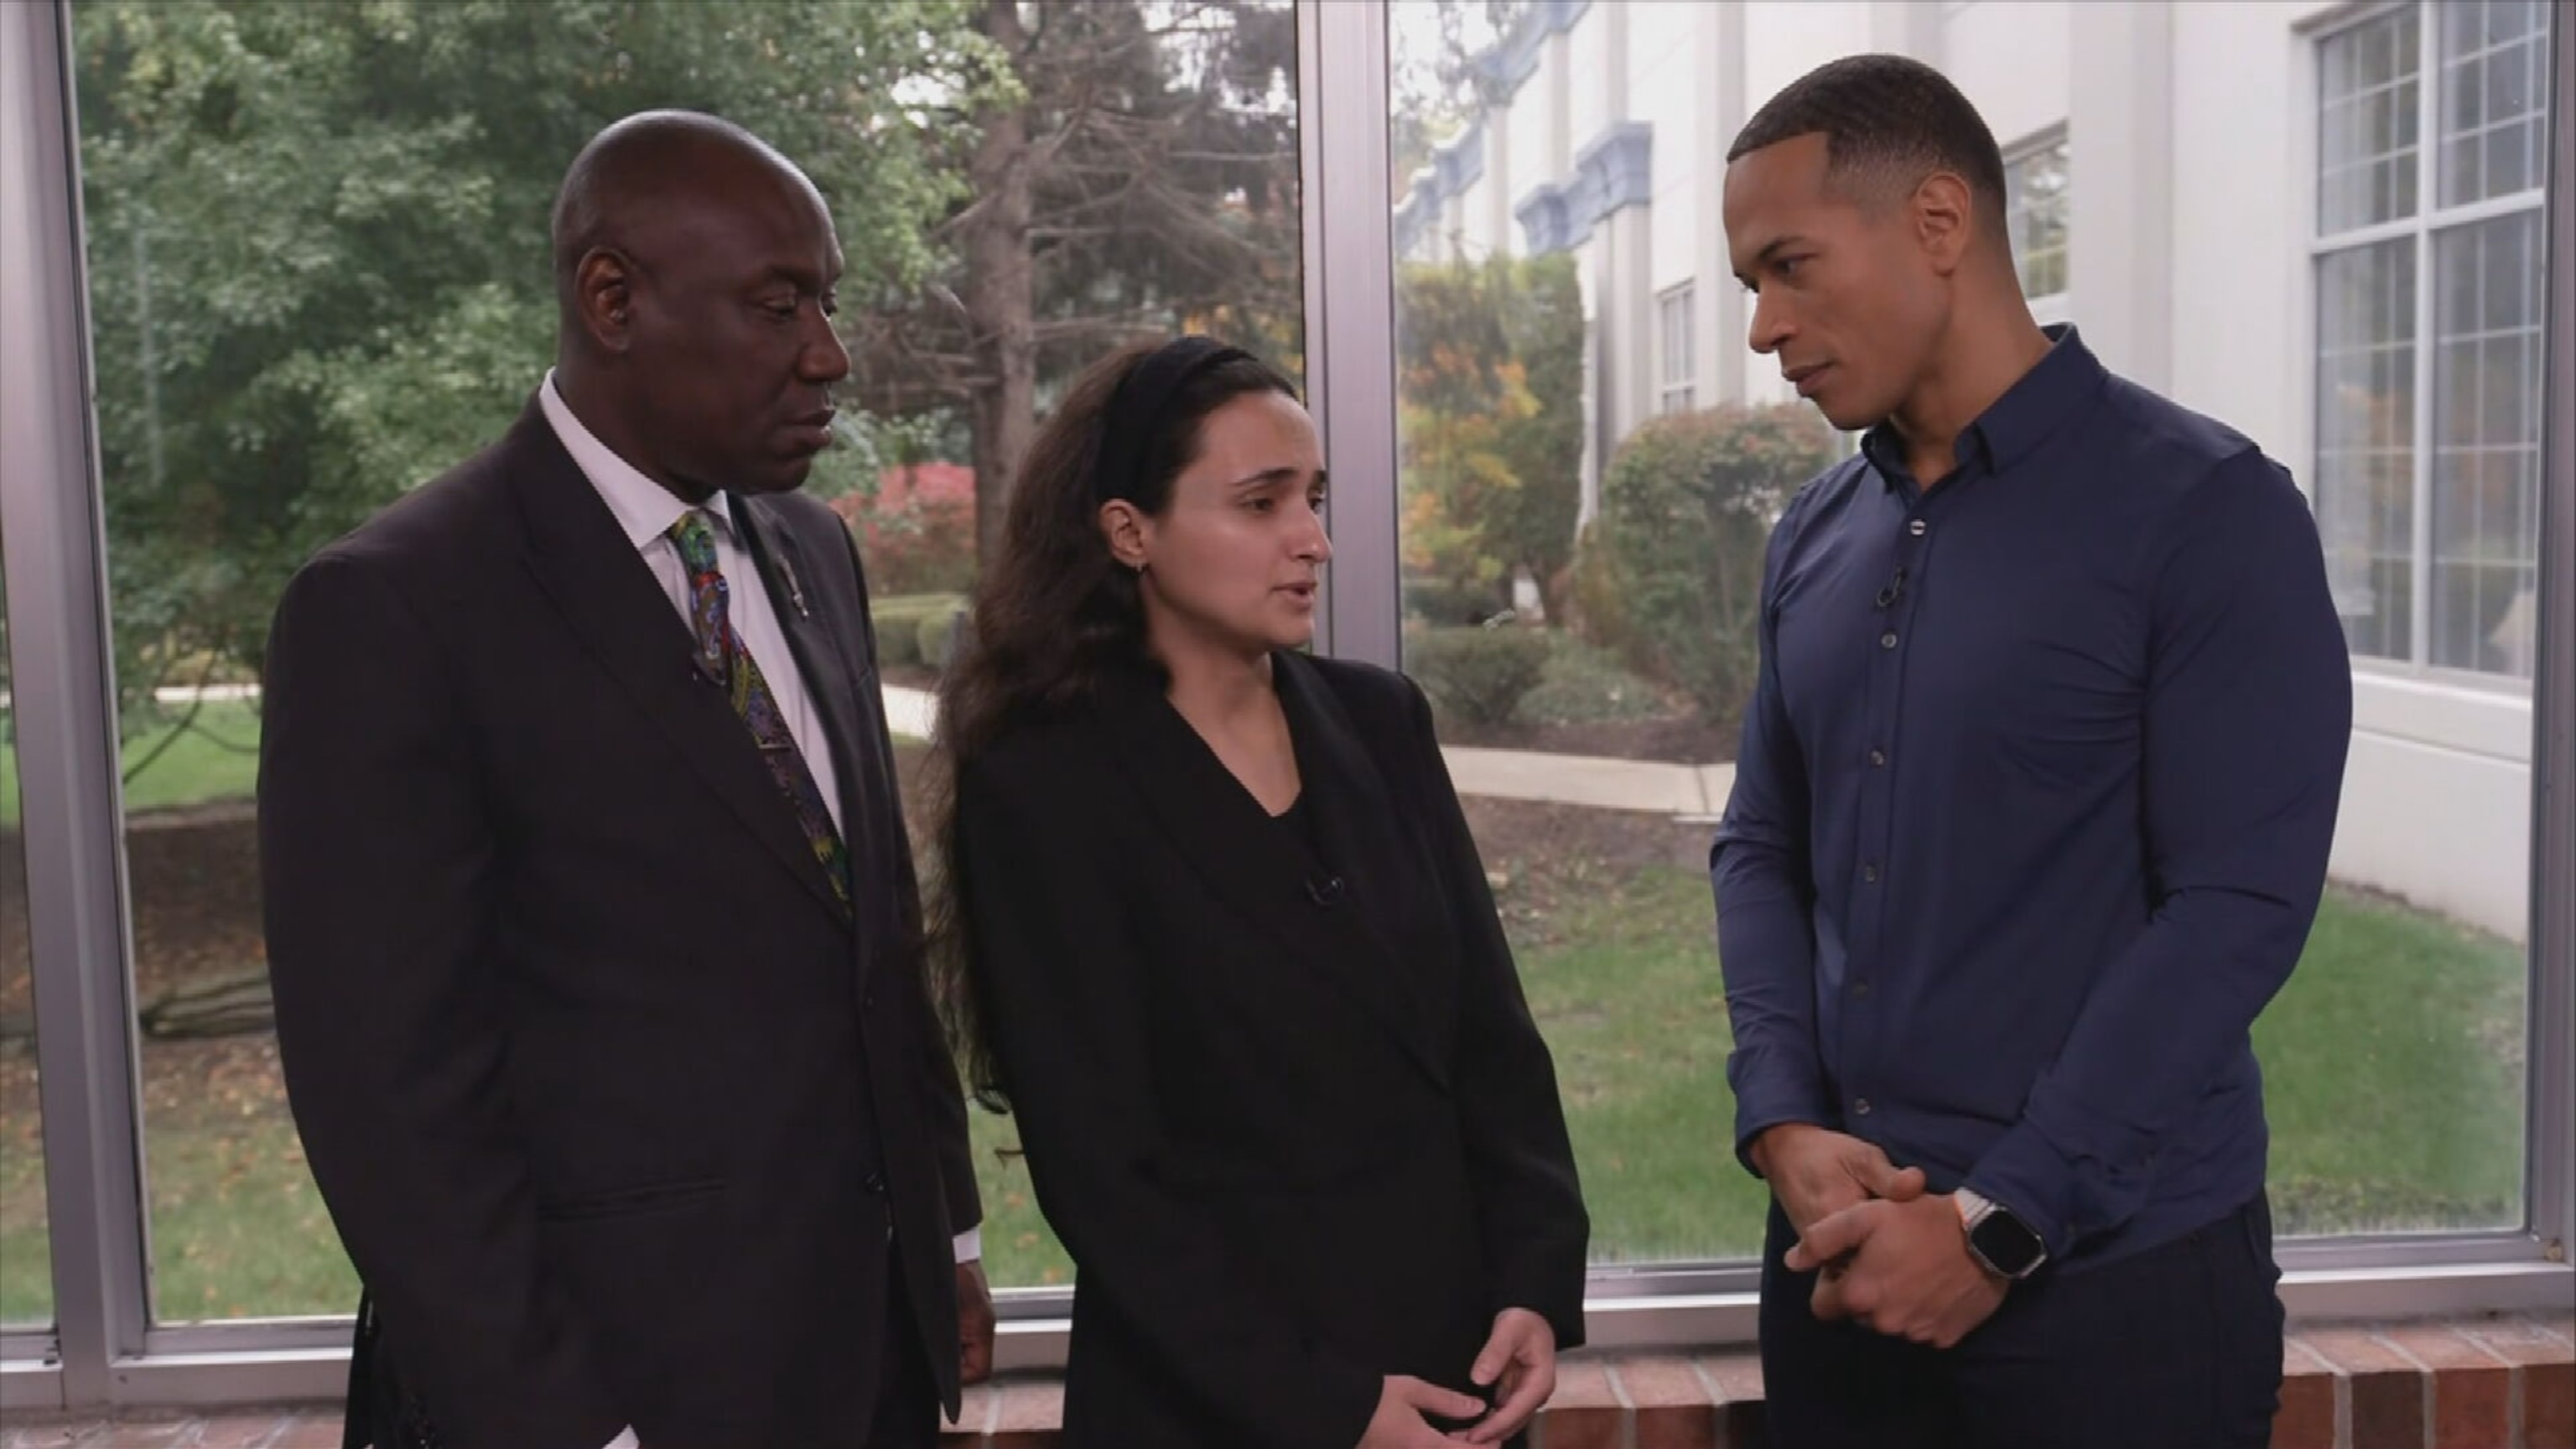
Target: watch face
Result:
[2008, 1246]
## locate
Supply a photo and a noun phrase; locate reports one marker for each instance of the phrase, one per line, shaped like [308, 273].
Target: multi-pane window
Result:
[1677, 367]
[247, 413]
[2035, 201]
[2428, 330]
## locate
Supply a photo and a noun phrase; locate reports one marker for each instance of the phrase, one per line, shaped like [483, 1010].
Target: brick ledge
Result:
[2495, 1382]
[2476, 1383]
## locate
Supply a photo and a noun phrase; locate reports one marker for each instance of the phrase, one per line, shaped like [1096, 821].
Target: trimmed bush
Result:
[938, 630]
[1443, 605]
[1670, 576]
[898, 622]
[1476, 675]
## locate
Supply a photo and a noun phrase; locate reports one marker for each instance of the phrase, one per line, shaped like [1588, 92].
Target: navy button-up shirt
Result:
[2033, 806]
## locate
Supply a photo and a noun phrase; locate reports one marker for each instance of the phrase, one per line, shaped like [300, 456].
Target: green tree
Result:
[1489, 428]
[1440, 75]
[1136, 177]
[317, 244]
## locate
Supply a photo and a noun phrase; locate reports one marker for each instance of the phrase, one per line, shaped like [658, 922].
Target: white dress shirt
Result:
[646, 510]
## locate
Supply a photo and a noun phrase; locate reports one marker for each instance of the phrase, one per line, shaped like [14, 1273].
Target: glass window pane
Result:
[2365, 412]
[2037, 205]
[317, 244]
[2462, 24]
[1677, 349]
[2367, 112]
[26, 1259]
[1207, 239]
[2508, 160]
[2466, 99]
[1630, 643]
[2487, 455]
[2493, 55]
[2464, 161]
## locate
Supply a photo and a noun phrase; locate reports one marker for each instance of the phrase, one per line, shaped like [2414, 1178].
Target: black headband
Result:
[1136, 409]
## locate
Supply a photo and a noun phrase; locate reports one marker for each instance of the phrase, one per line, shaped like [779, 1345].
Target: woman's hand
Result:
[1519, 1362]
[1401, 1403]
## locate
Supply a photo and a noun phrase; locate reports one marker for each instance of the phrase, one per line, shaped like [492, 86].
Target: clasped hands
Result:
[1518, 1363]
[1887, 1255]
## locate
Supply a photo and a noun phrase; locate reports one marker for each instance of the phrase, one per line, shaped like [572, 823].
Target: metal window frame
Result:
[67, 765]
[104, 1349]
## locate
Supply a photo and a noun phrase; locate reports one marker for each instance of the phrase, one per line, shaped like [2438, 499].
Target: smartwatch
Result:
[2003, 1244]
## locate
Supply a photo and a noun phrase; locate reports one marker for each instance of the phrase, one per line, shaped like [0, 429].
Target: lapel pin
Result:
[795, 590]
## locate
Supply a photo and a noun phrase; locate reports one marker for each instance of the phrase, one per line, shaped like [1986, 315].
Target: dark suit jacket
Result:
[610, 1101]
[1290, 1115]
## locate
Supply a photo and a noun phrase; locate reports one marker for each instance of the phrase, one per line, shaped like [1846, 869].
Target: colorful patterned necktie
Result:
[721, 654]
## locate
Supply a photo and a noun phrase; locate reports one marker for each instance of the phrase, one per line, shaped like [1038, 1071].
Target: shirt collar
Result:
[643, 508]
[2066, 375]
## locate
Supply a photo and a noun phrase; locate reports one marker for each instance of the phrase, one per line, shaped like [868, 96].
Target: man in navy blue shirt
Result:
[2030, 821]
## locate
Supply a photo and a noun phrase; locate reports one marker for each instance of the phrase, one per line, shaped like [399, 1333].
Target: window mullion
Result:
[2428, 66]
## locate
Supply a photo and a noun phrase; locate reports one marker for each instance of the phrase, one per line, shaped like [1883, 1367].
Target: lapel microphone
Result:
[1325, 893]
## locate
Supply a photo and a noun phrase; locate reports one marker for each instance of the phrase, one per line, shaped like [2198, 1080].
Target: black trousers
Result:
[2176, 1346]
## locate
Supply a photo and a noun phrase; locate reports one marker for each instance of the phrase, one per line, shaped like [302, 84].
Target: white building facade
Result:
[2319, 222]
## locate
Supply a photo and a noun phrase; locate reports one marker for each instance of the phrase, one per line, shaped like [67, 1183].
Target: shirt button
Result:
[1869, 872]
[1860, 990]
[1887, 640]
[875, 1184]
[1860, 1107]
[1878, 757]
[1915, 528]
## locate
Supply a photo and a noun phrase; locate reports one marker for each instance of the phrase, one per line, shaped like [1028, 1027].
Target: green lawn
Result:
[2393, 1073]
[217, 757]
[2394, 1061]
[238, 1229]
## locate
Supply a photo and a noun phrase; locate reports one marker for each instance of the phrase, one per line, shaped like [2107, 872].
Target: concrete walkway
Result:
[1687, 790]
[1649, 785]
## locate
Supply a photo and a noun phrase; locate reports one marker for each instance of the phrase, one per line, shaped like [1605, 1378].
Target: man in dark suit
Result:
[590, 912]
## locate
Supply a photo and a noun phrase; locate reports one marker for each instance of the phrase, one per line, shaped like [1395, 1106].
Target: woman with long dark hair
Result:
[1210, 920]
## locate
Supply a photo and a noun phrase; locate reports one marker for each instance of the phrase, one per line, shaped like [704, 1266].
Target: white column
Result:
[1588, 280]
[1556, 79]
[1627, 246]
[1719, 113]
[1906, 27]
[2120, 149]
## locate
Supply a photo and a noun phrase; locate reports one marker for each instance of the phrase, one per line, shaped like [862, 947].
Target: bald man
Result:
[590, 912]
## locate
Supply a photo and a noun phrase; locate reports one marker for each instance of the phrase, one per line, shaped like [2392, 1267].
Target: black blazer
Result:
[613, 1105]
[1286, 1107]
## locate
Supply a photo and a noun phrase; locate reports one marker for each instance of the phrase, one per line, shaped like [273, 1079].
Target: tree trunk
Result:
[1001, 300]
